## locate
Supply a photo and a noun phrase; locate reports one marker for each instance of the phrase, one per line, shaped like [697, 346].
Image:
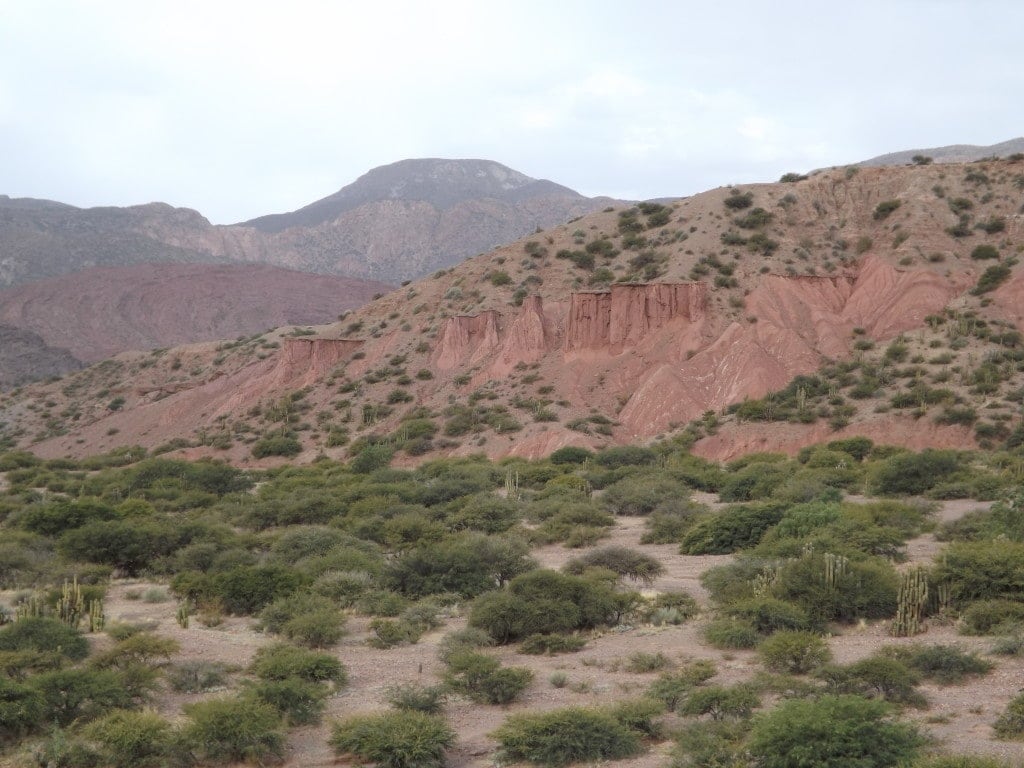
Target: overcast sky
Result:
[243, 109]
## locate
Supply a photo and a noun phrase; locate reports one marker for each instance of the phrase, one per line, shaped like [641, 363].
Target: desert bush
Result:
[834, 731]
[299, 701]
[992, 278]
[468, 639]
[736, 527]
[276, 445]
[945, 664]
[236, 729]
[672, 688]
[281, 661]
[642, 663]
[641, 494]
[875, 677]
[625, 456]
[308, 619]
[44, 635]
[133, 739]
[412, 697]
[483, 679]
[731, 634]
[22, 709]
[982, 570]
[989, 617]
[550, 645]
[564, 736]
[907, 474]
[619, 559]
[858, 588]
[197, 676]
[768, 614]
[1010, 724]
[982, 252]
[721, 702]
[140, 648]
[71, 695]
[793, 651]
[400, 739]
[247, 589]
[884, 208]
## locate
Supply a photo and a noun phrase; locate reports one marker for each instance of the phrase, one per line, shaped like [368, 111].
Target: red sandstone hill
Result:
[100, 312]
[628, 325]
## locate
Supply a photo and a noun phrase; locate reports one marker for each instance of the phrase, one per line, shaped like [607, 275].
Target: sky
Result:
[244, 109]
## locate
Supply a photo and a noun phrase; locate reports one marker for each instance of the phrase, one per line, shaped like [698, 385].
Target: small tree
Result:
[234, 729]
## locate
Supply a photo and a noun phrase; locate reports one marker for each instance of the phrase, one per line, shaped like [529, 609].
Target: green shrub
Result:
[300, 701]
[277, 445]
[720, 702]
[945, 664]
[468, 639]
[483, 679]
[564, 736]
[281, 661]
[412, 697]
[310, 620]
[626, 456]
[884, 208]
[197, 676]
[793, 651]
[731, 634]
[641, 494]
[908, 474]
[621, 560]
[859, 588]
[394, 740]
[736, 527]
[550, 645]
[833, 731]
[711, 744]
[642, 663]
[992, 278]
[133, 739]
[71, 695]
[982, 252]
[672, 688]
[247, 589]
[1010, 724]
[234, 729]
[22, 710]
[875, 677]
[768, 615]
[570, 455]
[638, 715]
[982, 570]
[989, 617]
[44, 635]
[737, 201]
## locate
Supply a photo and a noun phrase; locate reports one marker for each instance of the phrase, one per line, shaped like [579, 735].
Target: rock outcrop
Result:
[466, 340]
[621, 317]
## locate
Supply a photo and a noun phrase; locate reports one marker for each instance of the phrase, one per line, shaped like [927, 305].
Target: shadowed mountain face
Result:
[955, 153]
[25, 357]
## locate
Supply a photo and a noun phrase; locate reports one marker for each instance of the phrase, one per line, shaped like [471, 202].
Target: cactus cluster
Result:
[512, 484]
[911, 599]
[182, 615]
[835, 569]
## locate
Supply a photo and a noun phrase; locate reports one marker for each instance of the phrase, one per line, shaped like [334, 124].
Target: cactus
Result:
[765, 580]
[182, 614]
[97, 619]
[910, 602]
[71, 604]
[835, 569]
[512, 484]
[32, 608]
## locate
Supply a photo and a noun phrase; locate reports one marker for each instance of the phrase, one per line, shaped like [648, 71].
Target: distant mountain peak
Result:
[954, 153]
[440, 182]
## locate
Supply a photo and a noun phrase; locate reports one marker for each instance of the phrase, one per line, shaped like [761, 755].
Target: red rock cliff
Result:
[467, 339]
[626, 314]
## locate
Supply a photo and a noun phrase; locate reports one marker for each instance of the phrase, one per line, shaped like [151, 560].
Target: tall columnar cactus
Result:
[911, 599]
[183, 614]
[97, 618]
[765, 580]
[71, 604]
[512, 484]
[32, 608]
[835, 569]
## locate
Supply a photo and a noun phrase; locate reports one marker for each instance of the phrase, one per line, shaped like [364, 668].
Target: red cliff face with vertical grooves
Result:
[623, 316]
[467, 339]
[529, 337]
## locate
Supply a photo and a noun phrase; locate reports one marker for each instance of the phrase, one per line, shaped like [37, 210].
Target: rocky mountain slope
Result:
[99, 312]
[877, 301]
[25, 357]
[955, 153]
[395, 223]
